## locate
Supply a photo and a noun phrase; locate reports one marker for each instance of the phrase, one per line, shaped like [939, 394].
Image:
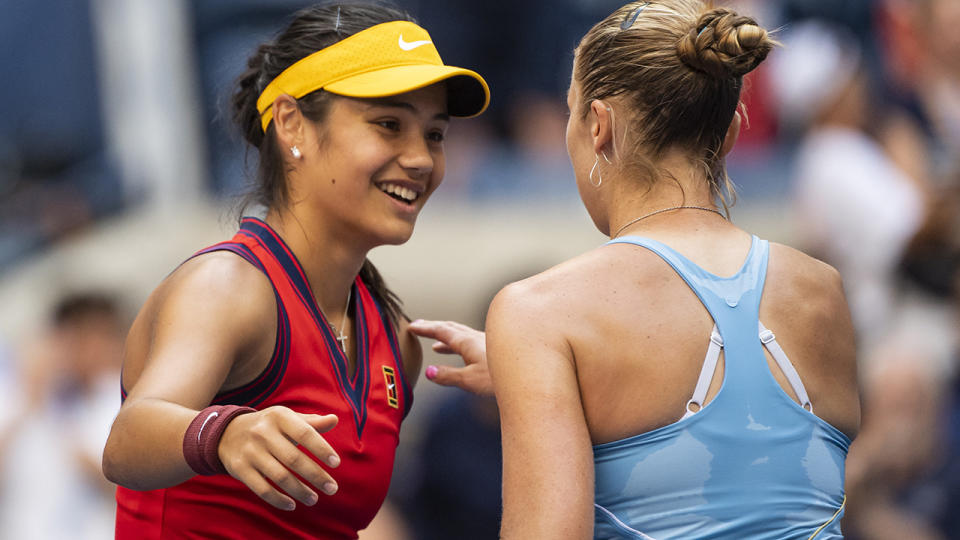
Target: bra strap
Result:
[769, 341]
[706, 373]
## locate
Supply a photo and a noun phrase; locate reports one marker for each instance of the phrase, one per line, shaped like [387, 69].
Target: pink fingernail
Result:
[432, 372]
[418, 321]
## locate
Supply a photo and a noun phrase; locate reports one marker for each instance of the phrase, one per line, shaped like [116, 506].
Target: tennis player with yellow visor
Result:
[384, 60]
[293, 344]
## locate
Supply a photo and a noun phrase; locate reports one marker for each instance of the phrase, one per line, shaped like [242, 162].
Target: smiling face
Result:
[371, 164]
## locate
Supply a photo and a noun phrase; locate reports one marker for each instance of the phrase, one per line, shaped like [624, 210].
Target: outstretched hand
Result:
[455, 338]
[262, 448]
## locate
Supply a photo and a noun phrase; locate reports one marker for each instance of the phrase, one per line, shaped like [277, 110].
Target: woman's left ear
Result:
[601, 127]
[733, 132]
[287, 120]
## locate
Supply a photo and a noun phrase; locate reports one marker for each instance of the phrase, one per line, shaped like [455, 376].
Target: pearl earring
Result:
[297, 154]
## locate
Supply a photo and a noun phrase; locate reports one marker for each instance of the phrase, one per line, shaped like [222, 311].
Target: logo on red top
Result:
[390, 378]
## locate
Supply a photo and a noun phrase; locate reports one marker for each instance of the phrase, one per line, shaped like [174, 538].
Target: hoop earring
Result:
[297, 154]
[596, 164]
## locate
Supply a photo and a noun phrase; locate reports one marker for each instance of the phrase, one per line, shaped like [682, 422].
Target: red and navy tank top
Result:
[308, 373]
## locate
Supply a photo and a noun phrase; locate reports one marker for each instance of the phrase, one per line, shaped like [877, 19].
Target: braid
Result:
[678, 67]
[724, 44]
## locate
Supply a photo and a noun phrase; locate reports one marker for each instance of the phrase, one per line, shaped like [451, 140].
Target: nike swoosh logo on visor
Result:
[409, 46]
[204, 424]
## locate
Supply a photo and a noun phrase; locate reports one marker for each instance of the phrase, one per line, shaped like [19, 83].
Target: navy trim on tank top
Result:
[397, 358]
[256, 391]
[361, 377]
[353, 388]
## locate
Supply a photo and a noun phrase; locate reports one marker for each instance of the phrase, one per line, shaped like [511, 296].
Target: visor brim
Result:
[467, 92]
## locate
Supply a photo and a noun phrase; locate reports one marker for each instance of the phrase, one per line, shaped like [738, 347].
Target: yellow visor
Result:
[383, 60]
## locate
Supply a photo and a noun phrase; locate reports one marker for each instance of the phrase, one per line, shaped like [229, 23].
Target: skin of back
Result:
[616, 298]
[617, 332]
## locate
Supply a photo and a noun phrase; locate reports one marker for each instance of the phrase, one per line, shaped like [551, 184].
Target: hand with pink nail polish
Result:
[455, 338]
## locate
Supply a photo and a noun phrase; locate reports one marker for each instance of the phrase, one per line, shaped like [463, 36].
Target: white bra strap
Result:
[706, 373]
[769, 341]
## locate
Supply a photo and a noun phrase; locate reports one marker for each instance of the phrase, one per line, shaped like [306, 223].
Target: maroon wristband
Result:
[202, 438]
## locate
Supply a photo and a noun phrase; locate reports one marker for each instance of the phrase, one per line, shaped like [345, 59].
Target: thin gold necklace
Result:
[662, 210]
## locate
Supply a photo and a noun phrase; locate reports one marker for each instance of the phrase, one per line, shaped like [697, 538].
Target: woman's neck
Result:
[681, 183]
[330, 262]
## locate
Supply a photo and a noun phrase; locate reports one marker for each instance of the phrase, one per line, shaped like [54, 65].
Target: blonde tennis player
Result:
[688, 379]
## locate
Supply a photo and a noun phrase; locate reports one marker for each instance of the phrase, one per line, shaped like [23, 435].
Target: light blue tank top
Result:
[751, 464]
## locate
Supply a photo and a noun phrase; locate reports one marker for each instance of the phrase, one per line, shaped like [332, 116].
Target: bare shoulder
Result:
[803, 282]
[542, 305]
[218, 267]
[214, 309]
[807, 295]
[544, 293]
[803, 302]
[216, 284]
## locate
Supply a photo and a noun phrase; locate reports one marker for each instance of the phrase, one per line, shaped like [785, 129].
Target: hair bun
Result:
[724, 44]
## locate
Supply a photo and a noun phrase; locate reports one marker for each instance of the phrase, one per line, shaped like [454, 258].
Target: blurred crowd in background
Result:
[117, 107]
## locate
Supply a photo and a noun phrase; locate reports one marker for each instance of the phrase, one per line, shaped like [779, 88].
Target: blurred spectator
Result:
[225, 33]
[54, 173]
[51, 486]
[456, 492]
[922, 68]
[534, 163]
[932, 259]
[855, 207]
[9, 406]
[932, 265]
[939, 84]
[862, 186]
[855, 16]
[524, 49]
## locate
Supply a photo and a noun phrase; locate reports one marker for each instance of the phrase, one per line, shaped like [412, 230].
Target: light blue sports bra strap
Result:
[741, 290]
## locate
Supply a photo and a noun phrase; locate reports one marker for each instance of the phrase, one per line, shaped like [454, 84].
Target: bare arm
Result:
[547, 454]
[807, 295]
[844, 410]
[195, 336]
